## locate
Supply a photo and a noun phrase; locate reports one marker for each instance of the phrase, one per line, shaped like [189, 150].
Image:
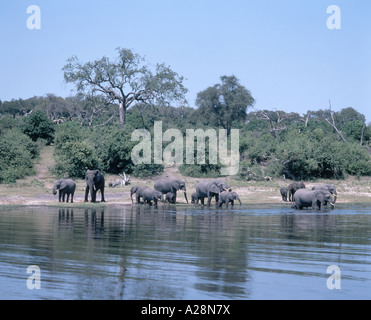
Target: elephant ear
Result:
[63, 184]
[175, 184]
[214, 188]
[320, 196]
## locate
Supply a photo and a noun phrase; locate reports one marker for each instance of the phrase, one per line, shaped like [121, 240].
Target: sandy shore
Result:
[38, 191]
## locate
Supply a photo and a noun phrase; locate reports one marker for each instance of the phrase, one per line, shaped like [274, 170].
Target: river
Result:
[185, 252]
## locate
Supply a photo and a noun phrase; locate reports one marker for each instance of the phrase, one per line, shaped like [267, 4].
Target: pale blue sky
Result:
[281, 50]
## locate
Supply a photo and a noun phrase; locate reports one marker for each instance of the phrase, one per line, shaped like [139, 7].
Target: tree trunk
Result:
[122, 114]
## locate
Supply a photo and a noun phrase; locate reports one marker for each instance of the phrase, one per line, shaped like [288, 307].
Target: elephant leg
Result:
[216, 200]
[209, 200]
[59, 195]
[63, 196]
[86, 194]
[155, 202]
[72, 197]
[68, 197]
[102, 194]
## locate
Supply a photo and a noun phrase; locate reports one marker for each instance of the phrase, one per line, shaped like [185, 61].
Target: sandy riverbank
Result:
[38, 191]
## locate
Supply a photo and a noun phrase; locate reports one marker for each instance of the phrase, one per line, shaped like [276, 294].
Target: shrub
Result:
[37, 126]
[17, 155]
[74, 159]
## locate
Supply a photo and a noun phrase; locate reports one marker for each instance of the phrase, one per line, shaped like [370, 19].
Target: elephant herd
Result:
[319, 195]
[164, 190]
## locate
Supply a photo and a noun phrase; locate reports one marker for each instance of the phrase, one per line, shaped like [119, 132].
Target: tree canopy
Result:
[126, 81]
[224, 103]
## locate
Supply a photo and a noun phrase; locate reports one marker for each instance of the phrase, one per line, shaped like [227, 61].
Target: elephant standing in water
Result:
[210, 189]
[150, 195]
[172, 185]
[312, 198]
[138, 193]
[65, 187]
[228, 197]
[170, 197]
[94, 182]
[327, 187]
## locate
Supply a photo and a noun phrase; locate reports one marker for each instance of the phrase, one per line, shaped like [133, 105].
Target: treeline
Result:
[86, 133]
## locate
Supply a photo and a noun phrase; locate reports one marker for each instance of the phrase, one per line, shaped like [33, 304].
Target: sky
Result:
[280, 50]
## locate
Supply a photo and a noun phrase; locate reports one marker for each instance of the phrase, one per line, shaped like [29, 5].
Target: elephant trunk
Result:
[238, 198]
[185, 196]
[91, 186]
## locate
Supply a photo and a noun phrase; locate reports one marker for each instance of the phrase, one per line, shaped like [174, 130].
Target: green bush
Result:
[75, 158]
[69, 131]
[17, 155]
[38, 126]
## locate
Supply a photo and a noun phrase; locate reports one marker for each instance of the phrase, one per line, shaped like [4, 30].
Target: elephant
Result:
[94, 182]
[149, 195]
[327, 187]
[293, 187]
[283, 192]
[312, 198]
[172, 185]
[170, 197]
[65, 187]
[194, 198]
[138, 193]
[210, 189]
[228, 197]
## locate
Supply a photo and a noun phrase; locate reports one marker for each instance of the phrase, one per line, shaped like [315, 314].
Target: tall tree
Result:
[224, 103]
[127, 80]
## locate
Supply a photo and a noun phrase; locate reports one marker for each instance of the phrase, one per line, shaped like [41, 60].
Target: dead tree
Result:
[332, 124]
[124, 181]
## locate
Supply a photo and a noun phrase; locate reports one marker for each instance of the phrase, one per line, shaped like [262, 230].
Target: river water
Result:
[185, 252]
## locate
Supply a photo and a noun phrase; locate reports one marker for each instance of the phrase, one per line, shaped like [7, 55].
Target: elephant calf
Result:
[65, 187]
[170, 197]
[195, 198]
[138, 191]
[150, 195]
[283, 192]
[228, 197]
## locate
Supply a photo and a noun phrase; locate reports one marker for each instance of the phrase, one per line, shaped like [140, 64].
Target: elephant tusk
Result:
[332, 204]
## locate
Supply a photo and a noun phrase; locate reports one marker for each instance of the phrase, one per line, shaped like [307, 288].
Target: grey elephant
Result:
[293, 187]
[210, 189]
[194, 198]
[94, 182]
[312, 198]
[170, 197]
[283, 192]
[172, 185]
[327, 187]
[138, 191]
[150, 195]
[228, 197]
[65, 187]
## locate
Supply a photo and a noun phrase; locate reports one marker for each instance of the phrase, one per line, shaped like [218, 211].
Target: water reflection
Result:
[182, 252]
